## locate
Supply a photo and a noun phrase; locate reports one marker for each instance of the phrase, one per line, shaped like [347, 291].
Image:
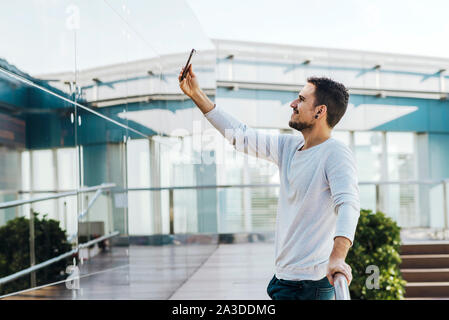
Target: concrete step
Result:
[424, 261]
[427, 289]
[427, 298]
[426, 275]
[434, 247]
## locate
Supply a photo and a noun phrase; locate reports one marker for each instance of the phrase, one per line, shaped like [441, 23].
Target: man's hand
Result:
[336, 266]
[189, 85]
[337, 260]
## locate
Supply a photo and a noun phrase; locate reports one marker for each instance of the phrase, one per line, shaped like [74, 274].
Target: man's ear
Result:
[321, 109]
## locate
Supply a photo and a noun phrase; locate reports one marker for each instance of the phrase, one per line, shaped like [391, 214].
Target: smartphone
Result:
[184, 73]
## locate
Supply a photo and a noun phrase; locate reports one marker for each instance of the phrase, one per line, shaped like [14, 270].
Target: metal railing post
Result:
[341, 287]
[171, 211]
[110, 205]
[32, 249]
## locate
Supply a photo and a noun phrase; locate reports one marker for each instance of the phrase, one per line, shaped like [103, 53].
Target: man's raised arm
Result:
[242, 137]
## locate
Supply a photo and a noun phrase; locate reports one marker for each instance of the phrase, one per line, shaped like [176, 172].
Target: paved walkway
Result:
[233, 271]
[203, 272]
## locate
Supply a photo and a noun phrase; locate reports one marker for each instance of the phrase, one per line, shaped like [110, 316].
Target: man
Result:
[318, 205]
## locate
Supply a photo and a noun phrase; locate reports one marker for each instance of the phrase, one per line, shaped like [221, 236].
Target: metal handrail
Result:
[341, 287]
[16, 203]
[55, 259]
[404, 182]
[272, 185]
[212, 186]
[91, 203]
[222, 186]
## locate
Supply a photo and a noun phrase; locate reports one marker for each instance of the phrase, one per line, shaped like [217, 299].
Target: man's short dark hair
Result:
[332, 94]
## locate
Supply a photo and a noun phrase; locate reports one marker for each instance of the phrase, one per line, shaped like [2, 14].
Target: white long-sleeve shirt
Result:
[318, 198]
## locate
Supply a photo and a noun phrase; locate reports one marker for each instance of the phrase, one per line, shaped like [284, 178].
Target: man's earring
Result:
[316, 116]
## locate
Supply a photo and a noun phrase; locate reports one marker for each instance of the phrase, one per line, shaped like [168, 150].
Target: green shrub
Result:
[377, 242]
[50, 241]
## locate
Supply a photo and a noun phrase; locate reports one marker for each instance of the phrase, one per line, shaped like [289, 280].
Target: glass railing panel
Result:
[103, 212]
[37, 160]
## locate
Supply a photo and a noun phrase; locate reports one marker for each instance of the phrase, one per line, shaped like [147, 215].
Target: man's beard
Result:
[300, 126]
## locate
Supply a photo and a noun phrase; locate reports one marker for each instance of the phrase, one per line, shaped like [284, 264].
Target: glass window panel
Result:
[342, 136]
[368, 152]
[401, 167]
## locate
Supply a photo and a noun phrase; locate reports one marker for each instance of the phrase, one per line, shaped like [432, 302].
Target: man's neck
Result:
[314, 138]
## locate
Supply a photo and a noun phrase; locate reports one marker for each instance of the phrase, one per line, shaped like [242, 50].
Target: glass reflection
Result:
[103, 211]
[36, 151]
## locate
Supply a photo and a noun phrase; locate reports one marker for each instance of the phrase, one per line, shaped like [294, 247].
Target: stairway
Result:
[425, 267]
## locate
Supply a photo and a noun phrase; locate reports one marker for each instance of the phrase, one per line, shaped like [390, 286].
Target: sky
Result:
[39, 36]
[394, 26]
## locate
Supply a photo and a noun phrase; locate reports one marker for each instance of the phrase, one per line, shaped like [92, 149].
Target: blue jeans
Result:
[279, 289]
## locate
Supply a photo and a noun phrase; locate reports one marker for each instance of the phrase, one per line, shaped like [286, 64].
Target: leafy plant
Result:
[50, 241]
[377, 242]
